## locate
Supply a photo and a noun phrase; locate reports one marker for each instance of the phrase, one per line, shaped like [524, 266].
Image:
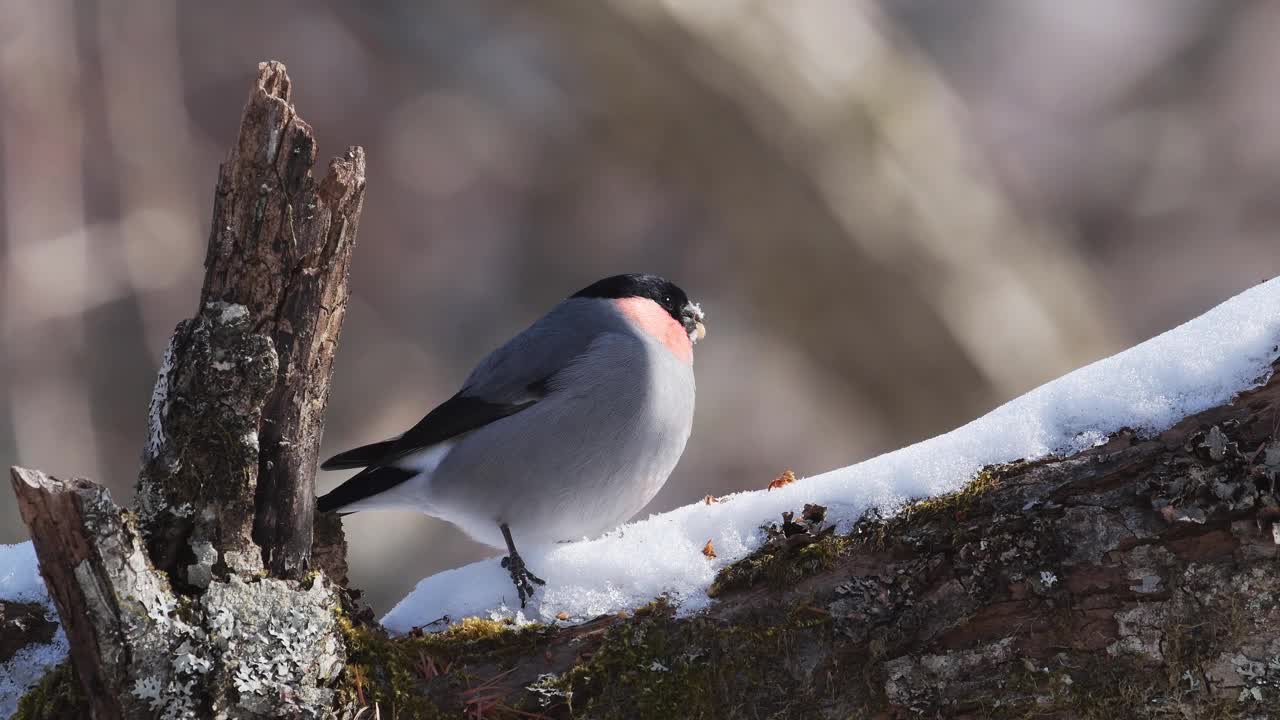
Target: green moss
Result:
[948, 510]
[651, 667]
[779, 566]
[57, 695]
[474, 631]
[638, 673]
[417, 676]
[658, 606]
[776, 662]
[951, 506]
[377, 673]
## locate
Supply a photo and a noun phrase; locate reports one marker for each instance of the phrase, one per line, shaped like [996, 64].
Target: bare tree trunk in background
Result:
[862, 209]
[44, 217]
[199, 603]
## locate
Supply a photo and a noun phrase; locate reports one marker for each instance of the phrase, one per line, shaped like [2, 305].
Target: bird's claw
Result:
[520, 575]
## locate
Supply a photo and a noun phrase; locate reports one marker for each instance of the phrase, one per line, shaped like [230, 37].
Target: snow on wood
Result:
[20, 583]
[1201, 364]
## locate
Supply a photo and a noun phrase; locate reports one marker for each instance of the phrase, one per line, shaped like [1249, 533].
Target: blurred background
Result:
[897, 215]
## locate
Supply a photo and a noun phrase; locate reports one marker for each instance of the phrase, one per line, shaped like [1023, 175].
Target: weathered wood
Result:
[329, 549]
[171, 610]
[306, 329]
[243, 648]
[271, 310]
[110, 599]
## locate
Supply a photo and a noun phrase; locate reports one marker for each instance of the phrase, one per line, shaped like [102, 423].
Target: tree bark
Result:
[112, 602]
[276, 270]
[201, 604]
[281, 247]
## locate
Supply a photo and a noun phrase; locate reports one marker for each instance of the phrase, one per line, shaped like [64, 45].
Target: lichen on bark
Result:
[196, 488]
[278, 647]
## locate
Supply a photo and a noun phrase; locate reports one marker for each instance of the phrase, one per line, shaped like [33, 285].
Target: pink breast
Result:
[658, 323]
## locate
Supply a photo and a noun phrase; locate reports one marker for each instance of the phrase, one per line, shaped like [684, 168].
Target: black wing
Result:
[453, 417]
[366, 483]
[508, 380]
[457, 415]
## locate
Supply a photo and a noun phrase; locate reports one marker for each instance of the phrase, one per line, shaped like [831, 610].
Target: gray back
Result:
[519, 369]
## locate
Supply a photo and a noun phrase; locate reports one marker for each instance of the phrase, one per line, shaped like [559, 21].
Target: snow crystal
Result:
[20, 582]
[1148, 388]
[25, 669]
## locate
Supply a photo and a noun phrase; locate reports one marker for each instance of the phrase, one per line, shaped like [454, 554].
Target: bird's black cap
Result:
[662, 291]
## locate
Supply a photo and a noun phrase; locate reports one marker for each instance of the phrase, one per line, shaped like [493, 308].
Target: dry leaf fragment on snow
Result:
[710, 500]
[783, 480]
[709, 550]
[562, 615]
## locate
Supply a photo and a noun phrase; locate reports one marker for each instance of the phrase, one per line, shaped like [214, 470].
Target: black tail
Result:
[366, 483]
[363, 456]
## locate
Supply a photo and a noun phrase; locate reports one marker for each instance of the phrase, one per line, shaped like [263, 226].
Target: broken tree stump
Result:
[201, 603]
[274, 297]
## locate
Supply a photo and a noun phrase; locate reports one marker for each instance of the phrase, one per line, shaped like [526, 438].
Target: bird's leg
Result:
[520, 575]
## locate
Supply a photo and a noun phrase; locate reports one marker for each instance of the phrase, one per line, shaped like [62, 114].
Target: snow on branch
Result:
[1201, 364]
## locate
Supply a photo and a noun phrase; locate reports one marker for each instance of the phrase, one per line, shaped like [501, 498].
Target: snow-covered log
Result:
[1104, 546]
